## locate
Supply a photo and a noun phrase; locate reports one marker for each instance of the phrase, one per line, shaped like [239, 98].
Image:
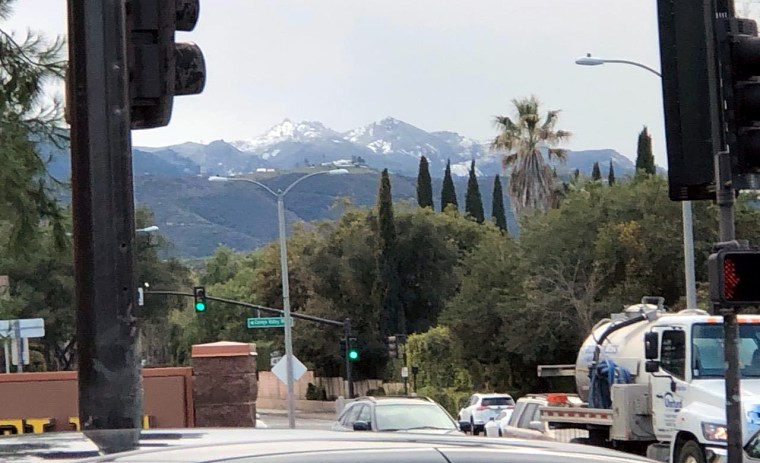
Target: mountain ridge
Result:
[388, 143]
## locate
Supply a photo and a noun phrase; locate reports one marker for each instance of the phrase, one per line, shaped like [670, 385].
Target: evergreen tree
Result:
[473, 203]
[424, 185]
[611, 175]
[28, 196]
[644, 156]
[596, 172]
[388, 284]
[448, 193]
[498, 205]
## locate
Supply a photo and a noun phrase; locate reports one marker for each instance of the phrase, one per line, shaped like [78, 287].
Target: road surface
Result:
[279, 419]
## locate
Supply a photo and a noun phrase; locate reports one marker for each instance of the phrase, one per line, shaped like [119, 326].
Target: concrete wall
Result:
[271, 389]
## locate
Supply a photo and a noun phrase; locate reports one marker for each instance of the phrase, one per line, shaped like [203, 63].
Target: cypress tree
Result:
[611, 175]
[448, 193]
[424, 185]
[498, 205]
[644, 156]
[388, 284]
[473, 203]
[596, 172]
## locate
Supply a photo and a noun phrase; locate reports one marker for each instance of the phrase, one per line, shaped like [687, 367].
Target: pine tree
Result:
[611, 175]
[388, 285]
[473, 203]
[596, 172]
[644, 156]
[29, 116]
[498, 205]
[448, 193]
[424, 185]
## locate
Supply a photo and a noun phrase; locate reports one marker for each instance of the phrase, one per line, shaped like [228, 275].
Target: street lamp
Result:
[151, 229]
[280, 195]
[688, 236]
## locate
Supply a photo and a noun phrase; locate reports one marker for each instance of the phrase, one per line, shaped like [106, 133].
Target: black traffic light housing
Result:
[199, 296]
[392, 347]
[159, 68]
[739, 49]
[691, 96]
[348, 350]
[353, 351]
[735, 277]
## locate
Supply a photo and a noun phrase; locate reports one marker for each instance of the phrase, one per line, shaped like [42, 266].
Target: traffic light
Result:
[691, 96]
[159, 68]
[739, 51]
[392, 347]
[735, 277]
[199, 294]
[348, 350]
[353, 352]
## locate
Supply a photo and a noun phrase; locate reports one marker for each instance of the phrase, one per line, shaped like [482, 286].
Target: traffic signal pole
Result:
[725, 195]
[349, 376]
[110, 382]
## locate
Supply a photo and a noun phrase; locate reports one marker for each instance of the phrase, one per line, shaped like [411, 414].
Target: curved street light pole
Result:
[688, 234]
[288, 319]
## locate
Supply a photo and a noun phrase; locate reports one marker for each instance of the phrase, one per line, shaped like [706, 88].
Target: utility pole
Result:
[349, 376]
[110, 383]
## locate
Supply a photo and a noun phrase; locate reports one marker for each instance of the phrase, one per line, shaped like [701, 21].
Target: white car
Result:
[482, 407]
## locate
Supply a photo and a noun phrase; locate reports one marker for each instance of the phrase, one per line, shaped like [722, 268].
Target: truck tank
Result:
[624, 345]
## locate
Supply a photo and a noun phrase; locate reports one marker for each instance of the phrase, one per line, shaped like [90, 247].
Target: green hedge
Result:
[449, 398]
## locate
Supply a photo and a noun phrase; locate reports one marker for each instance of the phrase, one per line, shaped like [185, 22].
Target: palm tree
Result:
[531, 182]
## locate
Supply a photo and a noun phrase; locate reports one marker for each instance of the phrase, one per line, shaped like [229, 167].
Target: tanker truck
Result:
[651, 382]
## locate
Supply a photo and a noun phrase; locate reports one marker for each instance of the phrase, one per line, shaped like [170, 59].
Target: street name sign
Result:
[266, 322]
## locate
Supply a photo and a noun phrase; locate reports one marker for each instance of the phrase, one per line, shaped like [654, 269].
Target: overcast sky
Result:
[437, 64]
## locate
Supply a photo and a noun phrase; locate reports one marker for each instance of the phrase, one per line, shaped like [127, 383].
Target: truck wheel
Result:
[691, 452]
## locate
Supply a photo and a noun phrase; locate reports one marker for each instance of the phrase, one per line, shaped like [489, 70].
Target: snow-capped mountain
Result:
[287, 130]
[389, 143]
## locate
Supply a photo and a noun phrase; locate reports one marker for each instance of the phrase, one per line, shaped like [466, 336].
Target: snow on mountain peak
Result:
[286, 130]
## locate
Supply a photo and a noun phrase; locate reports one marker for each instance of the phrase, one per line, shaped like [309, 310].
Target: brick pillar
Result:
[224, 384]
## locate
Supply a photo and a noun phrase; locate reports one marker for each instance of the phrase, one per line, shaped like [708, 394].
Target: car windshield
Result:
[396, 417]
[707, 350]
[504, 401]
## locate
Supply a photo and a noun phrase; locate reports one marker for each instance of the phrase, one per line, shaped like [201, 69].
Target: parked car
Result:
[303, 446]
[480, 408]
[525, 422]
[395, 414]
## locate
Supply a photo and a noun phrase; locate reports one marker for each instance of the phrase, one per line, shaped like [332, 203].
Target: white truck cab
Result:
[663, 393]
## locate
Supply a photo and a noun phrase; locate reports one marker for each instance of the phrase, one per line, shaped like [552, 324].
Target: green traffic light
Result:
[353, 355]
[200, 307]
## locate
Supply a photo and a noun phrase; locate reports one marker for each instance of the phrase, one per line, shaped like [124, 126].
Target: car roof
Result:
[534, 399]
[195, 444]
[397, 400]
[293, 445]
[492, 394]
